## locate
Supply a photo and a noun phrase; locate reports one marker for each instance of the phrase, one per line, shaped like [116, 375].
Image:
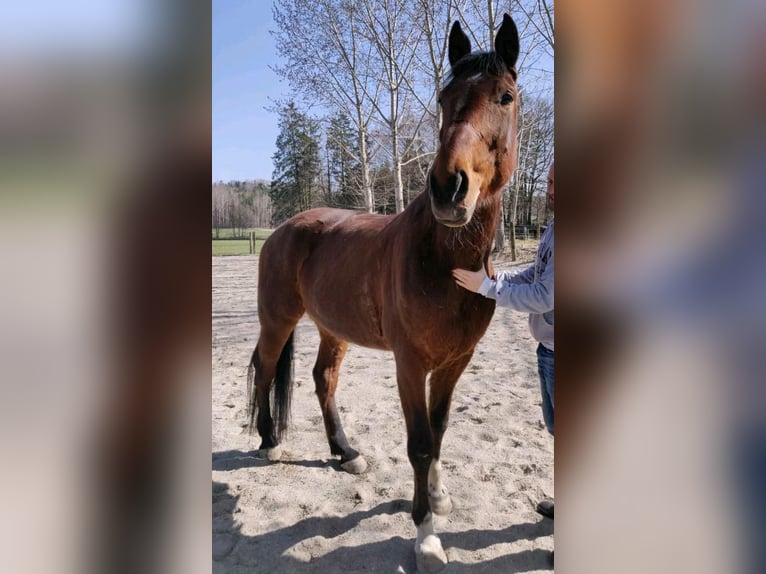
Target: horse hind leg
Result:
[326, 371]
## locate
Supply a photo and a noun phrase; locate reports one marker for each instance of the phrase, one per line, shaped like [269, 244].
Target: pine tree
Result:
[294, 185]
[344, 168]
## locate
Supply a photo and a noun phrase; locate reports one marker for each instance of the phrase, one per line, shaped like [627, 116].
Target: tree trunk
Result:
[397, 161]
[369, 202]
[515, 193]
[513, 241]
[329, 182]
[491, 19]
[398, 184]
[500, 232]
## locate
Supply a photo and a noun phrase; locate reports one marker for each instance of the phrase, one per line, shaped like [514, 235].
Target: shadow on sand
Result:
[236, 552]
[236, 459]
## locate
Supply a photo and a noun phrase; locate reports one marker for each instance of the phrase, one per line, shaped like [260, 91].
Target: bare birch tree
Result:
[434, 17]
[325, 56]
[396, 40]
[540, 15]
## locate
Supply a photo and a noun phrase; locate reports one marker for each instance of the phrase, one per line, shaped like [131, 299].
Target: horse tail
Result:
[283, 389]
[252, 400]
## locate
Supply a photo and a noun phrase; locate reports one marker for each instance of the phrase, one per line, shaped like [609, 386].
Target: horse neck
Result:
[469, 246]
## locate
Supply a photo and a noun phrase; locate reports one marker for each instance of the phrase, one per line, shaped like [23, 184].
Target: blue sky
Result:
[243, 131]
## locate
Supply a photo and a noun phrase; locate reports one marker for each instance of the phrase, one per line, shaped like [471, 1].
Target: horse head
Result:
[479, 103]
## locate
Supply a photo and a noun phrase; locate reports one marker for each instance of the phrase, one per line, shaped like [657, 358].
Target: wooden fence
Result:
[254, 242]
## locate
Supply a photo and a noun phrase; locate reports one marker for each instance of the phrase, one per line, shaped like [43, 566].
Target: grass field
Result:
[232, 247]
[228, 233]
[226, 245]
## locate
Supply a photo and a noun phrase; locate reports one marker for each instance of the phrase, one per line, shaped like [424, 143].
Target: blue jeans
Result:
[749, 472]
[545, 369]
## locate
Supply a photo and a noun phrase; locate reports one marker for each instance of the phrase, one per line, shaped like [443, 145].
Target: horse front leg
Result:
[443, 381]
[411, 379]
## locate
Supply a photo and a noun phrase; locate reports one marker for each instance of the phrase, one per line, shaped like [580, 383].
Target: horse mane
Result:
[488, 63]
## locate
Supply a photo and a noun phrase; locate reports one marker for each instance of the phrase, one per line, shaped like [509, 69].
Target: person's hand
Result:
[470, 280]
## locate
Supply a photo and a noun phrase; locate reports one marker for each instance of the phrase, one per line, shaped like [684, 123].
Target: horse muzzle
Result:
[448, 201]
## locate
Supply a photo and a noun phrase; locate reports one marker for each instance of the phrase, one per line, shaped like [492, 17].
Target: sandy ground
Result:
[304, 515]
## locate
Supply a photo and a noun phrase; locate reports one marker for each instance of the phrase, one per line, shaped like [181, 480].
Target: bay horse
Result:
[385, 281]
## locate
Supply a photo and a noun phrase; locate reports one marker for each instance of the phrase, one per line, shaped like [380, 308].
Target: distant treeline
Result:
[239, 205]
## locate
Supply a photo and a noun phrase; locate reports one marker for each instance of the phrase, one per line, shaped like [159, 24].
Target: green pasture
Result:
[228, 233]
[231, 247]
[228, 244]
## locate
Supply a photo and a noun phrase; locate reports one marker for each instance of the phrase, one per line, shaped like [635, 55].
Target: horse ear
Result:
[507, 42]
[459, 44]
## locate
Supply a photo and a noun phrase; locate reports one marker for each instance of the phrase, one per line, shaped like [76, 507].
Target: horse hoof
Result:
[430, 555]
[442, 505]
[273, 454]
[355, 466]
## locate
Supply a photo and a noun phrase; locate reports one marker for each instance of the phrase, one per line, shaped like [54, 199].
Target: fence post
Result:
[252, 242]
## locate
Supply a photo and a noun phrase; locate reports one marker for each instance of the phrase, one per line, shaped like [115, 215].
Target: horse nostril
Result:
[453, 191]
[455, 182]
[460, 186]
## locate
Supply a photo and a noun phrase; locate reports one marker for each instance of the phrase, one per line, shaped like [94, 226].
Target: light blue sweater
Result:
[530, 291]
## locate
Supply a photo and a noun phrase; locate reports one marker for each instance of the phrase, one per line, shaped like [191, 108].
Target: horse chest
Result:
[441, 319]
[461, 322]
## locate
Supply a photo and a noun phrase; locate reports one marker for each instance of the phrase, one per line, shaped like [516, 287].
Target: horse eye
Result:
[506, 99]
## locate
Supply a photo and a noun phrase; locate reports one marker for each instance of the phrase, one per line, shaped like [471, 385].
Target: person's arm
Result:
[534, 297]
[525, 276]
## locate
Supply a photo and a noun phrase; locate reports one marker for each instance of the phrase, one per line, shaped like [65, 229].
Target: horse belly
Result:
[358, 333]
[343, 303]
